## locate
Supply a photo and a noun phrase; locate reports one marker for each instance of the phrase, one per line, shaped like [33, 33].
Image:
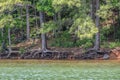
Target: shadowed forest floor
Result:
[59, 70]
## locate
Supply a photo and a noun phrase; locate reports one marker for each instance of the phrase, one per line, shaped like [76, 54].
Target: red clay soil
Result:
[115, 53]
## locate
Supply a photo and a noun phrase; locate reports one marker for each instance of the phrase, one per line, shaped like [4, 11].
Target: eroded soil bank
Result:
[63, 54]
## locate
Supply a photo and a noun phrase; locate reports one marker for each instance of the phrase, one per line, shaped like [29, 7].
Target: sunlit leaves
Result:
[6, 7]
[105, 11]
[49, 26]
[8, 4]
[58, 4]
[84, 28]
[7, 21]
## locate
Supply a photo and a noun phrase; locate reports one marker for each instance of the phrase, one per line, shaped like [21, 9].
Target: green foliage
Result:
[65, 40]
[85, 43]
[105, 31]
[83, 28]
[88, 45]
[8, 4]
[114, 44]
[115, 3]
[7, 21]
[104, 11]
[59, 4]
[35, 33]
[110, 44]
[72, 15]
[12, 37]
[22, 50]
[4, 37]
[48, 26]
[45, 6]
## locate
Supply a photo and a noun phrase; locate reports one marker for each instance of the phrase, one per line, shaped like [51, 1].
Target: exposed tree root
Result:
[59, 55]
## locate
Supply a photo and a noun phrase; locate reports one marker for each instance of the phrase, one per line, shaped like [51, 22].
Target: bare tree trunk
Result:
[59, 20]
[97, 20]
[43, 35]
[36, 19]
[9, 41]
[9, 38]
[27, 20]
[3, 45]
[2, 34]
[55, 19]
[93, 9]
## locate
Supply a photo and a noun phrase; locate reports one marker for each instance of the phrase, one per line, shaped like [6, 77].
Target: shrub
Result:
[111, 44]
[65, 40]
[22, 50]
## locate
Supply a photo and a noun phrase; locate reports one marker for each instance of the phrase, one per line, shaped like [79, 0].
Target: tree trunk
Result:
[55, 20]
[9, 41]
[27, 22]
[59, 21]
[2, 35]
[92, 13]
[43, 35]
[3, 47]
[97, 41]
[36, 24]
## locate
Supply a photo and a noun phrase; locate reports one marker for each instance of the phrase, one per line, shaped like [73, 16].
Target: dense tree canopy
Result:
[58, 18]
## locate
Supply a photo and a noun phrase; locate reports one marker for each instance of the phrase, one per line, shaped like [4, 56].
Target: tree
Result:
[43, 35]
[27, 22]
[44, 6]
[6, 19]
[83, 26]
[97, 22]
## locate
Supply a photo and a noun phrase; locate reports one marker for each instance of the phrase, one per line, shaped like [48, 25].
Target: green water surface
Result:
[59, 70]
